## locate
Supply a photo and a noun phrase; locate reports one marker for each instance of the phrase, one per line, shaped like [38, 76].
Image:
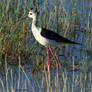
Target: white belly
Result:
[42, 40]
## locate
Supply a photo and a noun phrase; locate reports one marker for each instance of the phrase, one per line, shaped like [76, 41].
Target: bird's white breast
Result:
[36, 32]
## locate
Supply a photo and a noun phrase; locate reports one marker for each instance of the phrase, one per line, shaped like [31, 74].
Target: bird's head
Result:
[31, 14]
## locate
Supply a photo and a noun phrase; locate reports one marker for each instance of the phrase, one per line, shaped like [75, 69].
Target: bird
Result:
[47, 38]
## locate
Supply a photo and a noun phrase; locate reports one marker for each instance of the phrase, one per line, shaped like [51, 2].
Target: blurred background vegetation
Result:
[70, 18]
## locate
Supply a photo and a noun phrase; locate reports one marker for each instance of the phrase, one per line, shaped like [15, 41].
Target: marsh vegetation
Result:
[23, 62]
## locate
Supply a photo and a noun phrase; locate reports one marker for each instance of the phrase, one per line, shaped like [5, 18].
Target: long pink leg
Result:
[48, 59]
[55, 60]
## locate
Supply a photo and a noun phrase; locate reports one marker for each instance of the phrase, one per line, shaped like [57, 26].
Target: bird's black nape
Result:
[35, 10]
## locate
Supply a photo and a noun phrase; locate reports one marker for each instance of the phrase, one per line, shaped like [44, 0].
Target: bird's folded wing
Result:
[54, 36]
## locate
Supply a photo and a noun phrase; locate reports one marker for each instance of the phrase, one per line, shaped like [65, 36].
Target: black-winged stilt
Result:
[47, 37]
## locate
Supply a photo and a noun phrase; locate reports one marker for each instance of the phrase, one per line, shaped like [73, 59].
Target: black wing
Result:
[54, 36]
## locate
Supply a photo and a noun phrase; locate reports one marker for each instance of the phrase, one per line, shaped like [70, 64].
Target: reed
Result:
[24, 68]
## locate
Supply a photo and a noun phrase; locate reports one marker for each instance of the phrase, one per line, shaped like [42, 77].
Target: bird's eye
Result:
[30, 13]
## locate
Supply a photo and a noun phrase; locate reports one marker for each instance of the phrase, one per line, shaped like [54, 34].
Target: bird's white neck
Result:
[34, 20]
